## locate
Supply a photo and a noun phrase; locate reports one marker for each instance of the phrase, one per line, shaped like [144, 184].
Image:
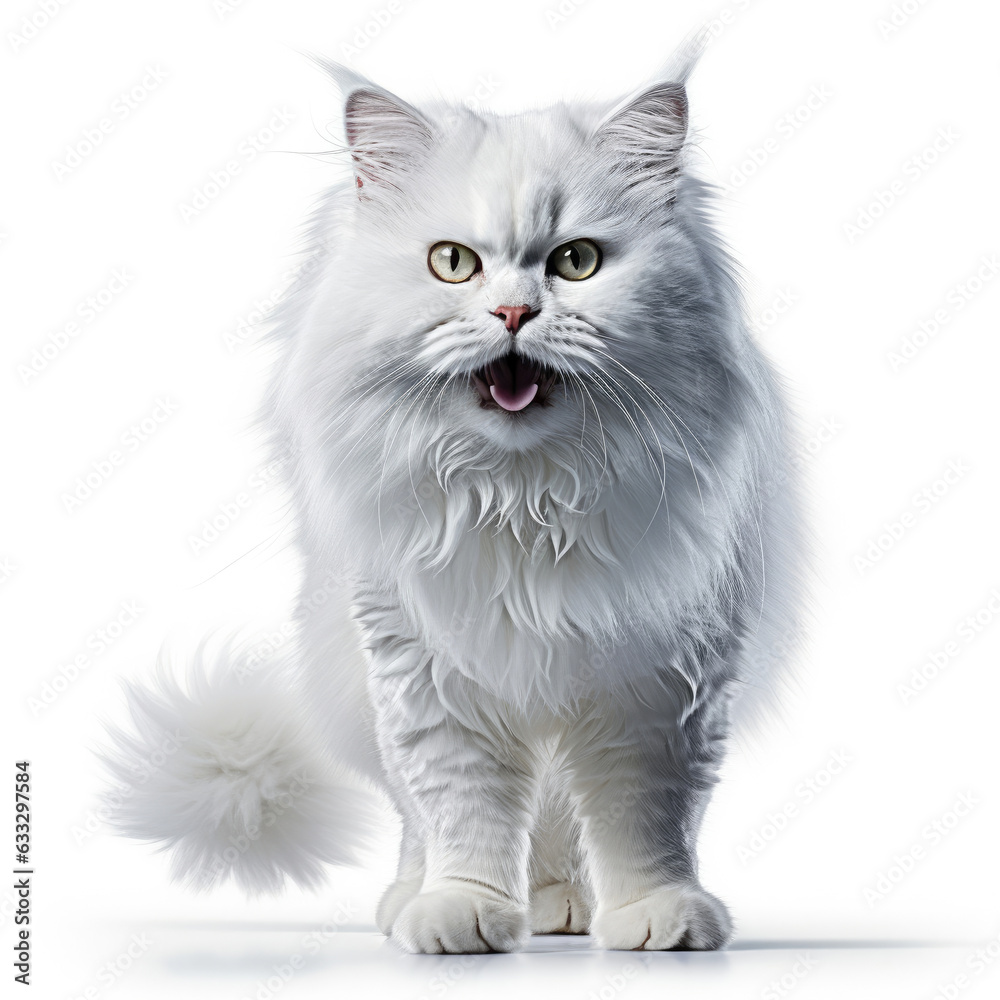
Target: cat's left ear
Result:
[646, 133]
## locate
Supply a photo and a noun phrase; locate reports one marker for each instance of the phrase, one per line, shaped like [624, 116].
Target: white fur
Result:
[557, 607]
[227, 776]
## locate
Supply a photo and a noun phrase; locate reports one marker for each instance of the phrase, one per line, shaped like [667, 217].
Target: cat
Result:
[550, 538]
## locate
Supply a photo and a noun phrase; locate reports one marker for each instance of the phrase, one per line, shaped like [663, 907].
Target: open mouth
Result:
[513, 382]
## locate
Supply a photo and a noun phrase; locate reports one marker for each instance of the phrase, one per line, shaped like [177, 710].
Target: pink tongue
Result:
[512, 387]
[514, 399]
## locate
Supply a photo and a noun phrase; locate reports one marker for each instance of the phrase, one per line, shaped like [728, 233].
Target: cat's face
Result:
[511, 277]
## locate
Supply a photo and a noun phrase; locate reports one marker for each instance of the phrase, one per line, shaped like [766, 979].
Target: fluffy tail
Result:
[227, 774]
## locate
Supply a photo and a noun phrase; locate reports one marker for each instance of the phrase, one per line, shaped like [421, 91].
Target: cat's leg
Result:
[640, 791]
[470, 793]
[474, 809]
[409, 875]
[560, 895]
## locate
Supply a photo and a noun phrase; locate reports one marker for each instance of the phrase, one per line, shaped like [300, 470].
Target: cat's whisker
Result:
[598, 378]
[671, 415]
[436, 403]
[409, 473]
[401, 371]
[666, 412]
[337, 427]
[660, 470]
[417, 388]
[597, 413]
[645, 416]
[371, 381]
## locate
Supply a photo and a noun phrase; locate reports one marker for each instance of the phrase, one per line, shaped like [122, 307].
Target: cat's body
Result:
[526, 623]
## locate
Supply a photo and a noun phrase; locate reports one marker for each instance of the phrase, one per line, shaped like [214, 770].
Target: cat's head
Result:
[512, 282]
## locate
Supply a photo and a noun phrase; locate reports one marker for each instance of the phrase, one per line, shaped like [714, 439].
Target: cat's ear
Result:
[384, 133]
[646, 133]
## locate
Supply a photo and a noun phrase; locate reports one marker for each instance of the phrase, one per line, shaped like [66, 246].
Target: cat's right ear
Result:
[384, 134]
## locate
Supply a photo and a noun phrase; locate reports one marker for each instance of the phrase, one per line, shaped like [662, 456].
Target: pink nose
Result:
[512, 315]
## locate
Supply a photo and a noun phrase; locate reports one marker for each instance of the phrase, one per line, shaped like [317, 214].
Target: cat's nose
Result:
[514, 316]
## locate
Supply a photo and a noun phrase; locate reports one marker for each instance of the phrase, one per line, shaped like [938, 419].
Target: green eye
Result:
[453, 262]
[575, 260]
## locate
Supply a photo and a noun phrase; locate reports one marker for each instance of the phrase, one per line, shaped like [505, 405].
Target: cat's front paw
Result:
[460, 920]
[679, 917]
[560, 908]
[392, 902]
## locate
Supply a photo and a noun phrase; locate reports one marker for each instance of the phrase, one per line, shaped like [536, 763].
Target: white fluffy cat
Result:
[549, 538]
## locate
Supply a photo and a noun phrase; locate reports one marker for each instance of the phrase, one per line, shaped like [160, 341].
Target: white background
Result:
[834, 304]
